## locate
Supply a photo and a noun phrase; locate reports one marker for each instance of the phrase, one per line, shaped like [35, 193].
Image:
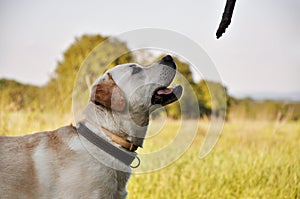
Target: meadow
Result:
[252, 159]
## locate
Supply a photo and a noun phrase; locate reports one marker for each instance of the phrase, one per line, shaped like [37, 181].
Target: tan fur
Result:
[72, 173]
[18, 177]
[62, 164]
[107, 93]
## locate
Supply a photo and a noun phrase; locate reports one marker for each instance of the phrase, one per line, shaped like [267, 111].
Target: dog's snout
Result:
[168, 60]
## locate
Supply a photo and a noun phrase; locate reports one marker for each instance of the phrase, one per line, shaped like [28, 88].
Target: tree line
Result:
[56, 95]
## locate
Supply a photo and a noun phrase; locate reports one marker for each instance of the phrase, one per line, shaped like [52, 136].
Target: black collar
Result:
[125, 157]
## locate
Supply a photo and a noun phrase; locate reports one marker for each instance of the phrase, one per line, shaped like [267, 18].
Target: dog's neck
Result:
[102, 117]
[121, 141]
[119, 123]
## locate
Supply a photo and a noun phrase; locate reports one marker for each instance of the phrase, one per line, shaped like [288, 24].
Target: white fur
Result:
[62, 164]
[44, 172]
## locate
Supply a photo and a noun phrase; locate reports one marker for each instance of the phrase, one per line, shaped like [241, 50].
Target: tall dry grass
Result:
[250, 159]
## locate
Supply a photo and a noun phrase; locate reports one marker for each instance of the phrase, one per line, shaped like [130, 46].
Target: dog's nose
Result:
[168, 60]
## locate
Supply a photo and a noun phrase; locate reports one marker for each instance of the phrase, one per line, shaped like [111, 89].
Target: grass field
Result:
[250, 160]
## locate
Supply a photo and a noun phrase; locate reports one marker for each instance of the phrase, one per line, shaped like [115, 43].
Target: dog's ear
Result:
[107, 93]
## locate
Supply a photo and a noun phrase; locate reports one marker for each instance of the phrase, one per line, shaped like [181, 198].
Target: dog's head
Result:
[131, 92]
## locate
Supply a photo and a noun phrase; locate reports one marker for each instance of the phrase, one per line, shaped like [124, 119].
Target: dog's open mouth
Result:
[165, 96]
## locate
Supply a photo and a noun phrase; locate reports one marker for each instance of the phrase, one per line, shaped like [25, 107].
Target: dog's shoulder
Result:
[55, 138]
[68, 129]
[59, 138]
[61, 134]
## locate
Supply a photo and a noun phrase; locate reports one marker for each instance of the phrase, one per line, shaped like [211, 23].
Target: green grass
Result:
[250, 160]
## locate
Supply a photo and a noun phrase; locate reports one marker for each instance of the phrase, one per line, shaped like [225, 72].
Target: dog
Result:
[92, 159]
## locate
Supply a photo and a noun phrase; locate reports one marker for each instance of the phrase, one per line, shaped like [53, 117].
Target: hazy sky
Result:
[260, 52]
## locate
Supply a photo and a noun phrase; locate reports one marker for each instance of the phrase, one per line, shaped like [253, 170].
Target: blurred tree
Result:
[210, 95]
[15, 96]
[212, 98]
[60, 87]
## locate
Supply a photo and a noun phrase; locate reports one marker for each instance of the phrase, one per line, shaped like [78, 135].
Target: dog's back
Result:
[53, 165]
[22, 159]
[14, 174]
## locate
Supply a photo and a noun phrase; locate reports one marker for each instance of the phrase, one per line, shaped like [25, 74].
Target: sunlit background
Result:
[44, 43]
[258, 56]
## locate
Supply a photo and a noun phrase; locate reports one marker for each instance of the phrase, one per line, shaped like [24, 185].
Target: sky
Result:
[259, 53]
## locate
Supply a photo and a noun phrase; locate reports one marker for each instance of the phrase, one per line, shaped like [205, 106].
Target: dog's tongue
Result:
[165, 91]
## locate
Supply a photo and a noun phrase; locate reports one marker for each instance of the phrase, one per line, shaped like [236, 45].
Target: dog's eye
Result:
[135, 69]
